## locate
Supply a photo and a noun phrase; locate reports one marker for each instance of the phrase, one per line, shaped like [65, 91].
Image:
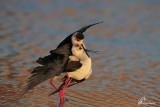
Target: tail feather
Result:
[40, 61]
[38, 77]
[39, 69]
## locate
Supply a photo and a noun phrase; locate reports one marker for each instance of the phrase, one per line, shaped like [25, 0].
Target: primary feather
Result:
[52, 65]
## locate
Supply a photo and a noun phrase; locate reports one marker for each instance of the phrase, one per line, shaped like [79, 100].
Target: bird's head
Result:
[77, 50]
[77, 38]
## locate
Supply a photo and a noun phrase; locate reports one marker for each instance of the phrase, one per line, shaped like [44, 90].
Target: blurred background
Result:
[127, 69]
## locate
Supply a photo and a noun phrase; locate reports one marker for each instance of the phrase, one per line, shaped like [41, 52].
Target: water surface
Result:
[127, 69]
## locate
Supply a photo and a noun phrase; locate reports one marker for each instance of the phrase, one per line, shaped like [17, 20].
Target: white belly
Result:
[84, 72]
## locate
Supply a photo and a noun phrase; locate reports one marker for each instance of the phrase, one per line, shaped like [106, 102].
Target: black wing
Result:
[52, 65]
[67, 40]
[54, 54]
[72, 66]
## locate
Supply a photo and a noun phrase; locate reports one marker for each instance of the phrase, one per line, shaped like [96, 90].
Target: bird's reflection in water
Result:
[61, 104]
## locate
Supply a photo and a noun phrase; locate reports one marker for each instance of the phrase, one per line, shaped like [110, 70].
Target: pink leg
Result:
[52, 84]
[62, 91]
[65, 86]
[56, 89]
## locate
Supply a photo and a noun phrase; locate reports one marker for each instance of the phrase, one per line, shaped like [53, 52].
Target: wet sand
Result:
[127, 69]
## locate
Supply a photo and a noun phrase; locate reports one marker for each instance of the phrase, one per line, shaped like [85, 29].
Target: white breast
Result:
[85, 71]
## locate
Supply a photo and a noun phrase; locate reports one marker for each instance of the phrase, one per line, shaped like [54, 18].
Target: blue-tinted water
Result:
[127, 68]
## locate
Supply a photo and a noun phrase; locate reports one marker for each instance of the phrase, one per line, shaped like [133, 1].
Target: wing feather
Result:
[72, 66]
[52, 65]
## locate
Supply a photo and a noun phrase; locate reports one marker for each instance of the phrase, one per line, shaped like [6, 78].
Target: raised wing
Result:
[67, 40]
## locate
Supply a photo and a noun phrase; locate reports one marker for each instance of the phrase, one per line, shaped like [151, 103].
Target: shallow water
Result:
[127, 69]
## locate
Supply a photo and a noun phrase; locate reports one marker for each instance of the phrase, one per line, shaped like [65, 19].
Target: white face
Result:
[77, 49]
[75, 40]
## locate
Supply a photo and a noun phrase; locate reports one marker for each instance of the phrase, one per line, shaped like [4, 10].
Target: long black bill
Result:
[86, 27]
[92, 51]
[84, 50]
